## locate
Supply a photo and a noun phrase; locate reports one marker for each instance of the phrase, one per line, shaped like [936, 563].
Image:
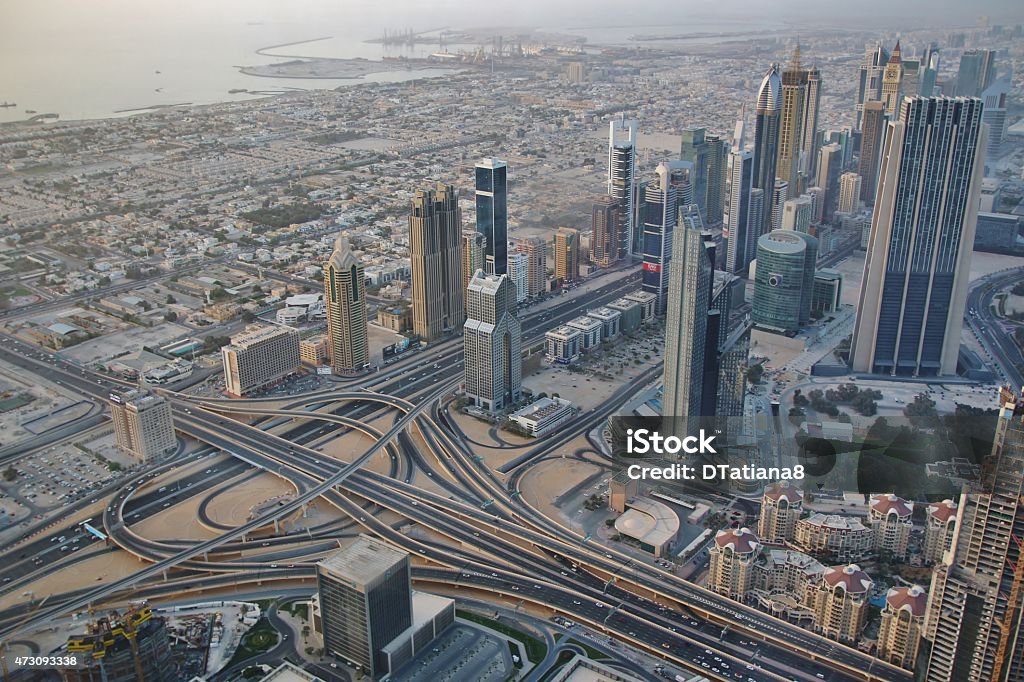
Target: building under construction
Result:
[128, 647]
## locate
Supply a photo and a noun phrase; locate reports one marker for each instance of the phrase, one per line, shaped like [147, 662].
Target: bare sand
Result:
[231, 506]
[90, 572]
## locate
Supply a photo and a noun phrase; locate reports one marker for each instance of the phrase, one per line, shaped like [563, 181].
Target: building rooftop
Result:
[784, 490]
[256, 333]
[363, 560]
[649, 521]
[286, 672]
[740, 540]
[834, 521]
[942, 511]
[851, 578]
[543, 408]
[887, 504]
[565, 331]
[913, 599]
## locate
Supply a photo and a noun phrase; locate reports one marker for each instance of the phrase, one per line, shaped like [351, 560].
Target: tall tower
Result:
[473, 244]
[784, 280]
[830, 166]
[849, 193]
[608, 222]
[689, 297]
[869, 87]
[536, 250]
[492, 213]
[780, 194]
[694, 149]
[735, 217]
[892, 81]
[975, 601]
[929, 70]
[622, 134]
[766, 141]
[659, 225]
[567, 254]
[492, 343]
[922, 232]
[812, 104]
[977, 71]
[716, 178]
[345, 299]
[870, 150]
[143, 423]
[435, 228]
[791, 122]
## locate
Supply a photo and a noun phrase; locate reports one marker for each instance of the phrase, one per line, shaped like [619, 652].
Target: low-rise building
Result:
[590, 331]
[314, 351]
[651, 523]
[838, 538]
[646, 301]
[563, 345]
[630, 314]
[542, 416]
[609, 320]
[398, 320]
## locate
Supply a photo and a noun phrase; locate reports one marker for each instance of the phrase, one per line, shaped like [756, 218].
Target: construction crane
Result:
[1012, 611]
[104, 633]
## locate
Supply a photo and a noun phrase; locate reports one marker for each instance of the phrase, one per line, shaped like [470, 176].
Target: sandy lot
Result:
[549, 479]
[90, 572]
[235, 499]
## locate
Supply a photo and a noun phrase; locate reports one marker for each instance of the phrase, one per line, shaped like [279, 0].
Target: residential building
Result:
[345, 290]
[731, 561]
[314, 351]
[849, 193]
[608, 224]
[899, 637]
[840, 603]
[939, 530]
[143, 423]
[473, 246]
[567, 255]
[492, 342]
[435, 230]
[890, 518]
[839, 538]
[812, 104]
[536, 250]
[918, 260]
[519, 273]
[258, 357]
[781, 505]
[492, 213]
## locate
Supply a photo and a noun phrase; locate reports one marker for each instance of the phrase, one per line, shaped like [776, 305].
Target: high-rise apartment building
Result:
[435, 230]
[869, 87]
[143, 424]
[766, 143]
[849, 192]
[840, 602]
[608, 223]
[784, 280]
[519, 274]
[365, 595]
[791, 122]
[780, 195]
[975, 601]
[492, 213]
[492, 342]
[345, 295]
[939, 530]
[976, 73]
[871, 139]
[812, 105]
[922, 232]
[830, 167]
[258, 357]
[781, 506]
[899, 637]
[689, 298]
[892, 81]
[536, 250]
[622, 137]
[567, 255]
[659, 226]
[473, 246]
[731, 561]
[736, 210]
[716, 155]
[797, 213]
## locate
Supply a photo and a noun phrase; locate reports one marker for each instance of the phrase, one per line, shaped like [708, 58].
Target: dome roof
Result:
[887, 504]
[942, 511]
[913, 599]
[769, 95]
[783, 490]
[739, 540]
[851, 578]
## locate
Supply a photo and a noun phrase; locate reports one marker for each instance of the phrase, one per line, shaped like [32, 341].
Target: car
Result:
[599, 605]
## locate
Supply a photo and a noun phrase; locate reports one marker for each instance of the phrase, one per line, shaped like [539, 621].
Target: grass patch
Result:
[535, 649]
[260, 638]
[591, 651]
[298, 609]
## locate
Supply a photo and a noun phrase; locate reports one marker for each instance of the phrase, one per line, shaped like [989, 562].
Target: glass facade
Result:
[492, 213]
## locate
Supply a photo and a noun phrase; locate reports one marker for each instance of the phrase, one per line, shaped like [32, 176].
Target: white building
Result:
[542, 416]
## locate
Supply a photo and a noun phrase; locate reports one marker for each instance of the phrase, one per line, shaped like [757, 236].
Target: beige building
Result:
[492, 343]
[472, 256]
[849, 192]
[435, 227]
[620, 489]
[536, 250]
[889, 518]
[899, 636]
[840, 602]
[781, 505]
[314, 351]
[731, 562]
[939, 530]
[839, 538]
[567, 255]
[143, 425]
[259, 357]
[345, 298]
[781, 580]
[397, 320]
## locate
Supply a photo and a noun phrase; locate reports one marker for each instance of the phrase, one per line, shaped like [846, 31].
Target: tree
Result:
[171, 300]
[10, 473]
[171, 316]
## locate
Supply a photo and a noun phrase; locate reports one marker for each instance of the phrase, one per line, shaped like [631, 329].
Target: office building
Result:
[780, 195]
[694, 150]
[576, 72]
[929, 70]
[563, 344]
[736, 222]
[345, 289]
[842, 538]
[975, 600]
[730, 562]
[492, 213]
[781, 506]
[812, 105]
[609, 319]
[258, 357]
[849, 193]
[567, 255]
[871, 150]
[472, 258]
[733, 356]
[435, 231]
[977, 72]
[827, 295]
[629, 312]
[830, 167]
[918, 260]
[766, 145]
[608, 223]
[542, 416]
[492, 342]
[889, 518]
[536, 250]
[314, 351]
[994, 116]
[791, 122]
[686, 351]
[797, 213]
[590, 329]
[646, 302]
[365, 595]
[939, 530]
[899, 636]
[716, 155]
[519, 273]
[892, 81]
[622, 136]
[659, 225]
[143, 425]
[840, 603]
[784, 280]
[911, 81]
[869, 86]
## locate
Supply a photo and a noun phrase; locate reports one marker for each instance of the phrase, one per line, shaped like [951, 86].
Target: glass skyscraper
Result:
[663, 200]
[622, 179]
[922, 232]
[492, 213]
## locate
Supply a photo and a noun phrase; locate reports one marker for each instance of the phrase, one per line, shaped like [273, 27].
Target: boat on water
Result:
[31, 111]
[7, 104]
[235, 91]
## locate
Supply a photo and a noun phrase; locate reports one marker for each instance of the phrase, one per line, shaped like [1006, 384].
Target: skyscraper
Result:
[473, 244]
[812, 104]
[519, 274]
[258, 357]
[766, 142]
[796, 214]
[492, 213]
[689, 297]
[784, 280]
[716, 179]
[536, 250]
[694, 149]
[929, 70]
[830, 166]
[736, 222]
[975, 600]
[780, 194]
[608, 222]
[659, 225]
[922, 232]
[567, 254]
[977, 71]
[435, 228]
[365, 601]
[870, 150]
[143, 424]
[869, 87]
[345, 296]
[492, 343]
[994, 116]
[892, 81]
[622, 135]
[791, 122]
[849, 193]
